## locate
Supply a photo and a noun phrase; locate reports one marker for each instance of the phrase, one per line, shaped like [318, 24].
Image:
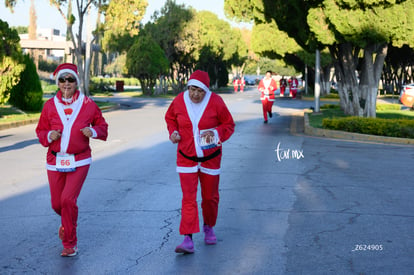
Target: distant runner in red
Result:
[236, 83]
[67, 122]
[242, 83]
[293, 87]
[199, 122]
[267, 87]
[283, 85]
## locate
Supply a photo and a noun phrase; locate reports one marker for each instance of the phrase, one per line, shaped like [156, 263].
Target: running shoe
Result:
[186, 247]
[69, 252]
[210, 237]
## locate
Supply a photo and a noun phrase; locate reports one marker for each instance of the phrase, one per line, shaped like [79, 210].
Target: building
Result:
[51, 45]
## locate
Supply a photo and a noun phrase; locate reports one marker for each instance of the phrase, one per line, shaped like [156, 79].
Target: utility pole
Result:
[317, 80]
[306, 79]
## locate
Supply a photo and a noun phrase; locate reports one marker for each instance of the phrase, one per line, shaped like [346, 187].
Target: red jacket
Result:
[85, 114]
[213, 115]
[267, 87]
[293, 84]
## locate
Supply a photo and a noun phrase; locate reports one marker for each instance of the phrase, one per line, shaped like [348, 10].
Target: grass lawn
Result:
[315, 119]
[10, 114]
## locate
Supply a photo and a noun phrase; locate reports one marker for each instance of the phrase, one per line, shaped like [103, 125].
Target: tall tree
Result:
[183, 33]
[70, 17]
[82, 8]
[170, 31]
[356, 33]
[223, 44]
[11, 60]
[33, 21]
[122, 24]
[122, 20]
[361, 29]
[33, 32]
[269, 41]
[97, 56]
[147, 62]
[398, 68]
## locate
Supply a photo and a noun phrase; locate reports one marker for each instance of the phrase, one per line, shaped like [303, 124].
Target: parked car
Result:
[407, 95]
[250, 80]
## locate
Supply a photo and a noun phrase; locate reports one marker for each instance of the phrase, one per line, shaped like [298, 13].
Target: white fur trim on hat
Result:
[197, 83]
[66, 71]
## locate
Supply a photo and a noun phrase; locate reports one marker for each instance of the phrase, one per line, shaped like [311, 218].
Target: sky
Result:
[49, 17]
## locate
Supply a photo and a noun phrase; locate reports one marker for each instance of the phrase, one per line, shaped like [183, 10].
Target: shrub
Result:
[330, 106]
[27, 95]
[131, 81]
[331, 95]
[403, 128]
[388, 107]
[47, 66]
[101, 86]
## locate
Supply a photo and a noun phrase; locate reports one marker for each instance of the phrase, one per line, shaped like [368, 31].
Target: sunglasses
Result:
[69, 79]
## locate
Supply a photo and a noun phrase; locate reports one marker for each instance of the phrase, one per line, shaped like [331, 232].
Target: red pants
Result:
[209, 204]
[236, 88]
[282, 90]
[64, 191]
[267, 107]
[293, 92]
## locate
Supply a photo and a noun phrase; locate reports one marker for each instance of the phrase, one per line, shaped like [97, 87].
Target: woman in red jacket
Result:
[267, 87]
[67, 122]
[199, 121]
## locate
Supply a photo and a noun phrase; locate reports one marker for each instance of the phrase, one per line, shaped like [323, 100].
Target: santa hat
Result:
[64, 69]
[200, 79]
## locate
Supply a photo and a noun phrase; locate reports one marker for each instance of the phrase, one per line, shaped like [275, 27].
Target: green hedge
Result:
[111, 81]
[403, 128]
[388, 107]
[47, 66]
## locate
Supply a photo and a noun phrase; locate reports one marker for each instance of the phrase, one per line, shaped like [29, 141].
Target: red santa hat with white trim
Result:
[66, 68]
[200, 79]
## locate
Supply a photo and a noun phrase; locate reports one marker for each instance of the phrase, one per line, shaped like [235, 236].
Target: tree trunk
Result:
[345, 69]
[88, 53]
[370, 76]
[97, 56]
[325, 79]
[358, 96]
[144, 85]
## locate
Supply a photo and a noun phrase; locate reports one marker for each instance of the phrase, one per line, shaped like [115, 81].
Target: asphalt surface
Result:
[290, 203]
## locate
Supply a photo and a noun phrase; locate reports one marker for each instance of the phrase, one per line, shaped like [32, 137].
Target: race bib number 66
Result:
[65, 162]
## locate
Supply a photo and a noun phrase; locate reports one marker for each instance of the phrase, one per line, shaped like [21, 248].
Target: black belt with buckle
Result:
[55, 153]
[202, 159]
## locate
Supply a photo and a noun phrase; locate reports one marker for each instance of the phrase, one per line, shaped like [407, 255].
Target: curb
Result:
[14, 124]
[311, 131]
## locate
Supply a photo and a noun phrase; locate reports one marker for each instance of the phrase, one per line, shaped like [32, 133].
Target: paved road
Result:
[290, 204]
